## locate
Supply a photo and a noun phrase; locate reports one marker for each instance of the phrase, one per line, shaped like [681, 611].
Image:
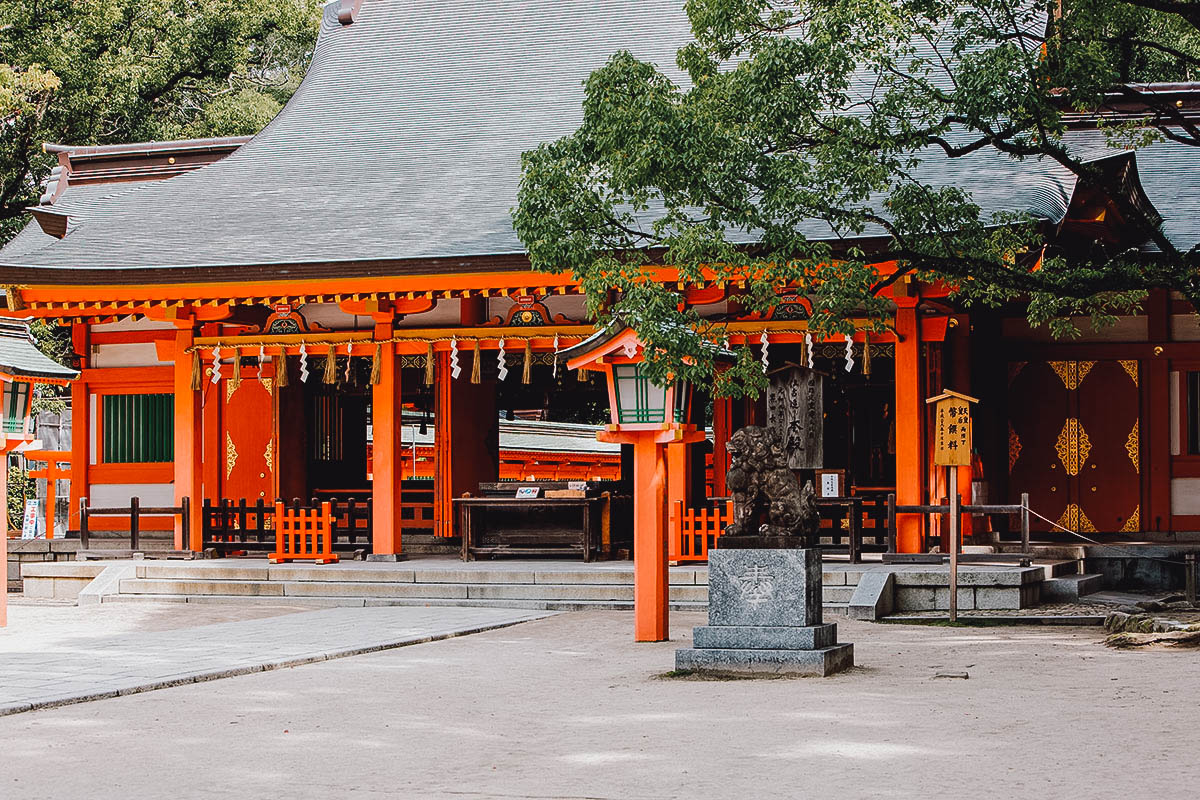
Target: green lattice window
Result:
[138, 428]
[16, 405]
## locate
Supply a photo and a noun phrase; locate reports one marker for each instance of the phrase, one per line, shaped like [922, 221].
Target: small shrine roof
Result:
[20, 357]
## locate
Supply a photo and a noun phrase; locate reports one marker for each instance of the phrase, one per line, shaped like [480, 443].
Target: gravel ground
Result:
[570, 707]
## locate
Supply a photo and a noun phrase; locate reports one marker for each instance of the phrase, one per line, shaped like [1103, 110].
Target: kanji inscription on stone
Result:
[795, 414]
[757, 585]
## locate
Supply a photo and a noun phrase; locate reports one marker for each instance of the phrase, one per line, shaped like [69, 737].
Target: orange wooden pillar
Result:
[466, 440]
[722, 430]
[910, 414]
[650, 581]
[677, 475]
[188, 445]
[387, 455]
[80, 425]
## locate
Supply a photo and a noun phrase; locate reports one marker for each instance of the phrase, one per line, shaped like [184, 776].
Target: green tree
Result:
[110, 71]
[801, 110]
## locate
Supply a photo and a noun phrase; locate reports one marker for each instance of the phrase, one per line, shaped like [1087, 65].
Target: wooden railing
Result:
[692, 532]
[238, 528]
[303, 534]
[133, 512]
[1021, 510]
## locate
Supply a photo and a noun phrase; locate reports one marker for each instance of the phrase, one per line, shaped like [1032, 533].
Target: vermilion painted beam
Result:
[188, 480]
[386, 535]
[909, 415]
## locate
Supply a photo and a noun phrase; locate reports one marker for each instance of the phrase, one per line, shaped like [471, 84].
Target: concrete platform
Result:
[758, 663]
[520, 583]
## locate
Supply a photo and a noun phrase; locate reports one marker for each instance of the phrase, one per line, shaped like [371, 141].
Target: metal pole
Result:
[1190, 560]
[954, 501]
[1025, 522]
[134, 513]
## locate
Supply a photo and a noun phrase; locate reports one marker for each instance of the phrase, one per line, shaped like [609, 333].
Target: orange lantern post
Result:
[648, 417]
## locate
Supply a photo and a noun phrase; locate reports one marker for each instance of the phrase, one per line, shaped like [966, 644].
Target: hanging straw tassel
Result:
[196, 377]
[329, 374]
[527, 372]
[429, 365]
[281, 370]
[235, 380]
[377, 365]
[866, 363]
[803, 352]
[475, 376]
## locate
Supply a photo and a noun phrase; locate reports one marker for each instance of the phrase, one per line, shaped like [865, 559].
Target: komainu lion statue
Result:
[767, 498]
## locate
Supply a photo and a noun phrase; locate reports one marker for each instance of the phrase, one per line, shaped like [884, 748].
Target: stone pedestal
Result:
[764, 617]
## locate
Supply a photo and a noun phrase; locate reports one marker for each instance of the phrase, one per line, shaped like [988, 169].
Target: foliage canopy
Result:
[790, 111]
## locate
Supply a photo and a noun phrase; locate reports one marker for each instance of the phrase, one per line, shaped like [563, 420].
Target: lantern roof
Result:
[20, 357]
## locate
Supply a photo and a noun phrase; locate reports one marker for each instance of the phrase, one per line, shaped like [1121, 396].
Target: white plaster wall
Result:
[571, 306]
[93, 416]
[1126, 329]
[328, 315]
[133, 324]
[445, 312]
[1185, 328]
[126, 355]
[118, 494]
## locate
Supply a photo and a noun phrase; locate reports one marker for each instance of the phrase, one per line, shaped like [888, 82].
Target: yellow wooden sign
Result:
[952, 429]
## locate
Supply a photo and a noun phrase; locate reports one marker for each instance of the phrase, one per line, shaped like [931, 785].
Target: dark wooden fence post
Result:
[83, 523]
[185, 524]
[854, 521]
[891, 523]
[134, 511]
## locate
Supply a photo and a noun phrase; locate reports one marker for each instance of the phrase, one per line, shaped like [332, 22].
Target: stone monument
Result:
[764, 587]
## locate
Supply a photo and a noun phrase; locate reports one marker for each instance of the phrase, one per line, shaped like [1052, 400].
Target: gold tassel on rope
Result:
[475, 376]
[527, 372]
[867, 355]
[803, 353]
[281, 370]
[330, 374]
[196, 376]
[429, 365]
[377, 365]
[235, 380]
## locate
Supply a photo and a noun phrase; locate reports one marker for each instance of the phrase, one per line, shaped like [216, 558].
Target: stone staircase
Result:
[534, 585]
[1065, 582]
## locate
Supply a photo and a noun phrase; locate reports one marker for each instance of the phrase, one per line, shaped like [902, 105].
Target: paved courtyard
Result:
[52, 655]
[569, 707]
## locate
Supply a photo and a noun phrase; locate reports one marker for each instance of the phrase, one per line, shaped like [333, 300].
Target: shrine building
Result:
[338, 308]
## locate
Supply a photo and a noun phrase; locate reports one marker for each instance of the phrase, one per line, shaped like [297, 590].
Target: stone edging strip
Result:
[217, 674]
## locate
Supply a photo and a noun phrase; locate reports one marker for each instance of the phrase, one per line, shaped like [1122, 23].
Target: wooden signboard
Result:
[795, 414]
[952, 429]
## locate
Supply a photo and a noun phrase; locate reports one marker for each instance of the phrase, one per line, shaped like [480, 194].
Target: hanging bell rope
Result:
[196, 380]
[475, 365]
[429, 365]
[281, 370]
[330, 373]
[527, 371]
[377, 365]
[235, 380]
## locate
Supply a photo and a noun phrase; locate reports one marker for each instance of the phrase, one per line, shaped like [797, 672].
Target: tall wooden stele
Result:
[952, 442]
[649, 419]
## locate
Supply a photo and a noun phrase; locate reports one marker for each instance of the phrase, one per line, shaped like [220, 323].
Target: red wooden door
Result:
[248, 444]
[1073, 443]
[1109, 486]
[1039, 403]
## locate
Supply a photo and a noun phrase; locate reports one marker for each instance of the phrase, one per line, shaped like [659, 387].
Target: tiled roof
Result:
[20, 356]
[403, 145]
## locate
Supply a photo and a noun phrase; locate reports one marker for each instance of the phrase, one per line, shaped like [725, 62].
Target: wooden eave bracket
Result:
[52, 222]
[348, 10]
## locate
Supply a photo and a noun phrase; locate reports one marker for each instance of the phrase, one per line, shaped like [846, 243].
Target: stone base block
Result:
[391, 557]
[764, 637]
[765, 663]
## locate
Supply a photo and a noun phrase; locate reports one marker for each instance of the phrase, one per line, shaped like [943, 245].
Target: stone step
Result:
[1069, 588]
[403, 573]
[390, 590]
[546, 605]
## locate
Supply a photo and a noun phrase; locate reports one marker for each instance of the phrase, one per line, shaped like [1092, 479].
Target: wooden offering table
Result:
[502, 523]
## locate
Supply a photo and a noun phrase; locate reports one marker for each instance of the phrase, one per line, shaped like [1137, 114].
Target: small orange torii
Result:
[52, 472]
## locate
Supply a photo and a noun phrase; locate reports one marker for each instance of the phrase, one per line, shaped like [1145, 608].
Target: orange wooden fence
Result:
[303, 534]
[693, 533]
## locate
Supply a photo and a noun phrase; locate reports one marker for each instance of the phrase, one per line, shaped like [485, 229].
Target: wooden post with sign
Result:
[952, 449]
